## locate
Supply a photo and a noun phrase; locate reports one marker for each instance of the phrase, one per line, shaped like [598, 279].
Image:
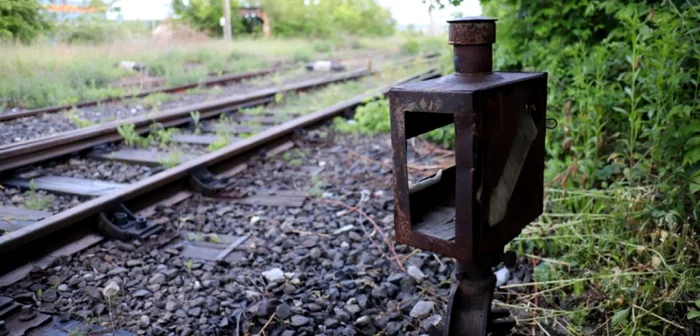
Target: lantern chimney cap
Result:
[466, 19]
[472, 30]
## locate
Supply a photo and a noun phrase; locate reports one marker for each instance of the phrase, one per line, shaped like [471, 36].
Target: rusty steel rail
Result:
[210, 81]
[236, 77]
[216, 160]
[13, 156]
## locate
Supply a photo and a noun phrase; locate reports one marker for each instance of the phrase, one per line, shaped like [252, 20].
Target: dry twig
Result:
[376, 227]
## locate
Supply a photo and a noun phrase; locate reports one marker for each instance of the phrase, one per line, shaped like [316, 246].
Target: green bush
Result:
[302, 55]
[322, 18]
[624, 89]
[94, 29]
[21, 20]
[322, 47]
[370, 118]
[410, 47]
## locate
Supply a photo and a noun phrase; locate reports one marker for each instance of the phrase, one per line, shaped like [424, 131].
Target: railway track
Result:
[35, 240]
[214, 80]
[22, 126]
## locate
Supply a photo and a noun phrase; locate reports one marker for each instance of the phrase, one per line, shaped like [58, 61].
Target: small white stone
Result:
[344, 245]
[422, 308]
[252, 294]
[415, 273]
[431, 321]
[255, 219]
[343, 229]
[274, 275]
[110, 289]
[502, 276]
[321, 163]
[144, 321]
[63, 288]
[289, 275]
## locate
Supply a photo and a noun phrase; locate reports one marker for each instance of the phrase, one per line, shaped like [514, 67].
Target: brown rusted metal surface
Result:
[219, 160]
[472, 38]
[468, 310]
[471, 210]
[207, 82]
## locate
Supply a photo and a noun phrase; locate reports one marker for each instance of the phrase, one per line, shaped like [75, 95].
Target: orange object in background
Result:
[70, 9]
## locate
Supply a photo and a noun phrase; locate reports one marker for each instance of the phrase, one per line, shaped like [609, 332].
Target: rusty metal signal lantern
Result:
[471, 210]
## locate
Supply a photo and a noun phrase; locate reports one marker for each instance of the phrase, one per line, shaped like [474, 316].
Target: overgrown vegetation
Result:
[625, 93]
[75, 118]
[318, 19]
[616, 251]
[222, 140]
[21, 20]
[162, 135]
[94, 29]
[133, 138]
[370, 118]
[170, 160]
[36, 199]
[44, 74]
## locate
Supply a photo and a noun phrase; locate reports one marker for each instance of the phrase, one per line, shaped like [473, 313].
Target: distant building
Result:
[68, 9]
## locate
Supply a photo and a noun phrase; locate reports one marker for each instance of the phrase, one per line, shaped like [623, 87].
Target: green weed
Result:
[316, 188]
[36, 199]
[162, 135]
[171, 160]
[196, 116]
[370, 118]
[154, 100]
[188, 265]
[222, 140]
[598, 261]
[131, 137]
[76, 120]
[295, 157]
[254, 111]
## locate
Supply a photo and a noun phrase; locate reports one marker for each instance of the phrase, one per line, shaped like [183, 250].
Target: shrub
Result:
[410, 47]
[21, 20]
[302, 55]
[370, 118]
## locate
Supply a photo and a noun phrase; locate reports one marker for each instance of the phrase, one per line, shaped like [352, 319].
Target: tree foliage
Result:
[321, 18]
[204, 15]
[21, 20]
[624, 87]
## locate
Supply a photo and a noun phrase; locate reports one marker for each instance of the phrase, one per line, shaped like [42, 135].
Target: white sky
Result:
[416, 12]
[404, 11]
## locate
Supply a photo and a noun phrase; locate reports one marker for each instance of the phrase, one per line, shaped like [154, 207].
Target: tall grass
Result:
[602, 265]
[48, 74]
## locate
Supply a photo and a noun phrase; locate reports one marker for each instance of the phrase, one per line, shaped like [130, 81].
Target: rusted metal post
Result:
[471, 210]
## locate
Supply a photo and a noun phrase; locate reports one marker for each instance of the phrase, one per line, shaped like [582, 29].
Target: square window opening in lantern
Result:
[431, 176]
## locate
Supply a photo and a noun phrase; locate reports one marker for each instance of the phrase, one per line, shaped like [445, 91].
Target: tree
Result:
[21, 20]
[321, 18]
[204, 15]
[442, 3]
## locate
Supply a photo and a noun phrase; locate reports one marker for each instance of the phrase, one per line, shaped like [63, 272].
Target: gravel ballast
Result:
[318, 269]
